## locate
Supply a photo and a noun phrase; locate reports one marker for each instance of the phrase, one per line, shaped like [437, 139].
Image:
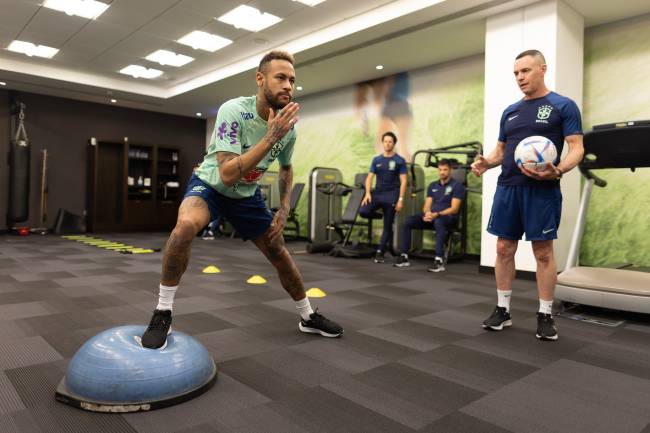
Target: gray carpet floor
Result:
[413, 357]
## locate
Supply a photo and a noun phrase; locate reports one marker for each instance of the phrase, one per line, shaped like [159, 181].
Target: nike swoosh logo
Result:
[513, 117]
[547, 231]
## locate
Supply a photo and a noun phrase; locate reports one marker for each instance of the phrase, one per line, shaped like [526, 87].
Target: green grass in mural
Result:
[618, 220]
[454, 115]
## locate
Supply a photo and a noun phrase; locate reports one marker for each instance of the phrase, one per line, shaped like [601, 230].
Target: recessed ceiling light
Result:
[199, 114]
[310, 2]
[30, 49]
[2, 83]
[204, 41]
[249, 18]
[114, 101]
[299, 88]
[137, 71]
[90, 9]
[170, 58]
[379, 67]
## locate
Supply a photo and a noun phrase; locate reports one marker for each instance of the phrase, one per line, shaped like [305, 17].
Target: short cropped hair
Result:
[444, 161]
[389, 134]
[274, 55]
[533, 53]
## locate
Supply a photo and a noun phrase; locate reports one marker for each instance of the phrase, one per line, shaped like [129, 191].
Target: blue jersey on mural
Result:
[552, 116]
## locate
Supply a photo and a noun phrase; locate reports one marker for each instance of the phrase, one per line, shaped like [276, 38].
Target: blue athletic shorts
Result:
[519, 209]
[249, 216]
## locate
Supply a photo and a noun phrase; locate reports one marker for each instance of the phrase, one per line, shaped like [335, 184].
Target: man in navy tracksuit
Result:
[529, 201]
[390, 169]
[440, 213]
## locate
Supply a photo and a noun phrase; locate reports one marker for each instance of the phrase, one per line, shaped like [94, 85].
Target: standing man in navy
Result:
[440, 212]
[390, 169]
[529, 201]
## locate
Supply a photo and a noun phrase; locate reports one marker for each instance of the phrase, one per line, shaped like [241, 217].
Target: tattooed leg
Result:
[192, 216]
[279, 257]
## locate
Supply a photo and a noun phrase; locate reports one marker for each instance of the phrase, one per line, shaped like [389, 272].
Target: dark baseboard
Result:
[523, 275]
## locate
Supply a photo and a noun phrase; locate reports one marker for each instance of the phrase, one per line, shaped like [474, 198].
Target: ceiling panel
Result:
[150, 8]
[140, 44]
[176, 23]
[99, 36]
[15, 13]
[120, 13]
[210, 7]
[224, 30]
[51, 28]
[280, 9]
[113, 62]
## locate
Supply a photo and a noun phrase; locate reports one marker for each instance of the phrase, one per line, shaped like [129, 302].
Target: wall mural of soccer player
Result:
[390, 97]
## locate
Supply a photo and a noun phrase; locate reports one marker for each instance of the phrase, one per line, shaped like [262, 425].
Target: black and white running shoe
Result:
[546, 329]
[319, 324]
[438, 266]
[402, 261]
[499, 319]
[159, 328]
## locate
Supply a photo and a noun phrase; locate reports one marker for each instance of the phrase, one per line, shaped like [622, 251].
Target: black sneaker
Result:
[499, 319]
[159, 328]
[379, 257]
[402, 261]
[438, 266]
[318, 324]
[546, 329]
[208, 235]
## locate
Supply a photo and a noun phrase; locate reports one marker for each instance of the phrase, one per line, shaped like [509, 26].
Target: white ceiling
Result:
[92, 51]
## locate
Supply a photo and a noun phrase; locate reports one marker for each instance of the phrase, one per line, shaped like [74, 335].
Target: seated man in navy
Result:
[440, 212]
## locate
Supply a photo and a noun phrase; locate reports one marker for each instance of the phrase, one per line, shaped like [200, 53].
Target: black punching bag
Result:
[19, 156]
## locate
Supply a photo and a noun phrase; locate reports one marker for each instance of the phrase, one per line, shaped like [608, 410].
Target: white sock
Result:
[304, 308]
[503, 298]
[166, 297]
[438, 259]
[545, 307]
[406, 256]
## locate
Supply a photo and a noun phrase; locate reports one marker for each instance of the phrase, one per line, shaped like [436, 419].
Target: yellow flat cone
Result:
[315, 292]
[256, 279]
[211, 270]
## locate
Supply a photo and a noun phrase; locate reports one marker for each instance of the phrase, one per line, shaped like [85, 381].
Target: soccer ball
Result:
[534, 152]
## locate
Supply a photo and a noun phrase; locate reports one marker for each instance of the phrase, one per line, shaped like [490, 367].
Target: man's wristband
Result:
[401, 199]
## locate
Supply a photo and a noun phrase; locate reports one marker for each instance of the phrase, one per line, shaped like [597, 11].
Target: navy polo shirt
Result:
[387, 171]
[442, 194]
[552, 116]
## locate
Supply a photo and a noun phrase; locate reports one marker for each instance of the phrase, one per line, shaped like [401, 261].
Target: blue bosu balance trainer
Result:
[112, 372]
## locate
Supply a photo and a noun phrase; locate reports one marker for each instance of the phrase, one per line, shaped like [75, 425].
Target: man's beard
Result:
[273, 101]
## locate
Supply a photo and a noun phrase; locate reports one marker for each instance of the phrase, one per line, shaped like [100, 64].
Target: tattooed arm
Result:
[285, 181]
[233, 167]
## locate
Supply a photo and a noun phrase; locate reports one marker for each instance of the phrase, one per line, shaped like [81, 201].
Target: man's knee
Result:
[543, 254]
[185, 230]
[506, 249]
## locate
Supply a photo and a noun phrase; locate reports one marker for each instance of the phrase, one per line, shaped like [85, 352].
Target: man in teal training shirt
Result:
[250, 134]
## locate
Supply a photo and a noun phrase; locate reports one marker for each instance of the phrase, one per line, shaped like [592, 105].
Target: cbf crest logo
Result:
[391, 165]
[543, 113]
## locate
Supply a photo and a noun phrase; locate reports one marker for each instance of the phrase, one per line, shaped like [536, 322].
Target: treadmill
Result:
[616, 145]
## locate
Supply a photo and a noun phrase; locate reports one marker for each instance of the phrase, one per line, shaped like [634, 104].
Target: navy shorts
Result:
[249, 216]
[519, 209]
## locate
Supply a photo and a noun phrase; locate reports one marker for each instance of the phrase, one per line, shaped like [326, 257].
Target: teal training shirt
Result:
[237, 130]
